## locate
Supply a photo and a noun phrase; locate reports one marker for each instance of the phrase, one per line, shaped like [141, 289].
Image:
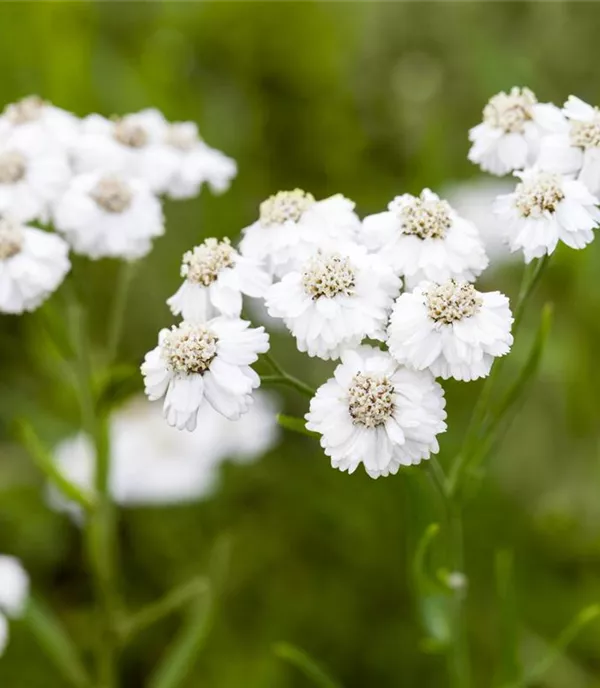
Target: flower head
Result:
[14, 591]
[451, 329]
[335, 300]
[211, 361]
[377, 413]
[422, 237]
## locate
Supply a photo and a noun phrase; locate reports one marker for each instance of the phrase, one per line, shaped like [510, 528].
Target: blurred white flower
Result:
[377, 413]
[33, 263]
[194, 163]
[197, 362]
[292, 225]
[105, 215]
[335, 300]
[451, 329]
[544, 209]
[422, 237]
[509, 137]
[14, 591]
[32, 177]
[216, 276]
[36, 121]
[573, 147]
[152, 463]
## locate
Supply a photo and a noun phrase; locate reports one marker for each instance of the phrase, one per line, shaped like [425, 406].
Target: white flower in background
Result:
[105, 215]
[573, 147]
[153, 463]
[32, 177]
[335, 300]
[33, 120]
[377, 413]
[451, 329]
[14, 591]
[422, 237]
[194, 162]
[544, 209]
[292, 225]
[33, 263]
[131, 146]
[216, 276]
[197, 362]
[509, 137]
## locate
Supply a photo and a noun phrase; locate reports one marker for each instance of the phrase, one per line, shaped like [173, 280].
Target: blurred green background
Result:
[370, 100]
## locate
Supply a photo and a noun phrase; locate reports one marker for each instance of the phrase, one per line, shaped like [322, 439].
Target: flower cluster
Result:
[555, 154]
[97, 182]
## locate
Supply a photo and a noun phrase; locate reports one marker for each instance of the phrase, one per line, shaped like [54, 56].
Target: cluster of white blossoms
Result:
[96, 182]
[555, 153]
[14, 592]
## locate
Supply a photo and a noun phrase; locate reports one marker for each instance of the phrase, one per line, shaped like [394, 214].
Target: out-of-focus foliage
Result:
[370, 100]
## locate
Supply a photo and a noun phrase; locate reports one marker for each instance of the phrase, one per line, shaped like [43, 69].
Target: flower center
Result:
[510, 111]
[12, 167]
[189, 349]
[130, 134]
[203, 263]
[285, 206]
[328, 276]
[112, 194]
[182, 135]
[423, 217]
[11, 238]
[26, 110]
[452, 301]
[370, 399]
[586, 134]
[539, 195]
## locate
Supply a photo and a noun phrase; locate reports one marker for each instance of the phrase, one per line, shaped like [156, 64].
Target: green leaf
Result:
[304, 662]
[509, 668]
[296, 425]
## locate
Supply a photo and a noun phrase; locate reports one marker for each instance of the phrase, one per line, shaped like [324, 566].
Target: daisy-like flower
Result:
[32, 177]
[216, 276]
[131, 146]
[509, 137]
[106, 215]
[573, 147]
[544, 209]
[377, 413]
[14, 591]
[292, 225]
[335, 300]
[34, 120]
[451, 329]
[194, 162]
[211, 361]
[33, 263]
[422, 237]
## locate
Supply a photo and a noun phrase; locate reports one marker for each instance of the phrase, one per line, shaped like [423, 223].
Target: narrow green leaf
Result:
[296, 425]
[302, 661]
[509, 668]
[56, 643]
[422, 578]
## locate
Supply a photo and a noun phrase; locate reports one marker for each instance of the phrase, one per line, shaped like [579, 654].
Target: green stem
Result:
[459, 660]
[305, 663]
[117, 317]
[289, 381]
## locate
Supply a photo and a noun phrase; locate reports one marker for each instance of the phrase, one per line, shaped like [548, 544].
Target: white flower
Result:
[335, 300]
[544, 209]
[573, 147]
[14, 591]
[422, 237]
[194, 162]
[36, 121]
[451, 329]
[509, 137]
[216, 276]
[32, 177]
[152, 463]
[211, 361]
[131, 146]
[105, 215]
[33, 263]
[292, 225]
[377, 413]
